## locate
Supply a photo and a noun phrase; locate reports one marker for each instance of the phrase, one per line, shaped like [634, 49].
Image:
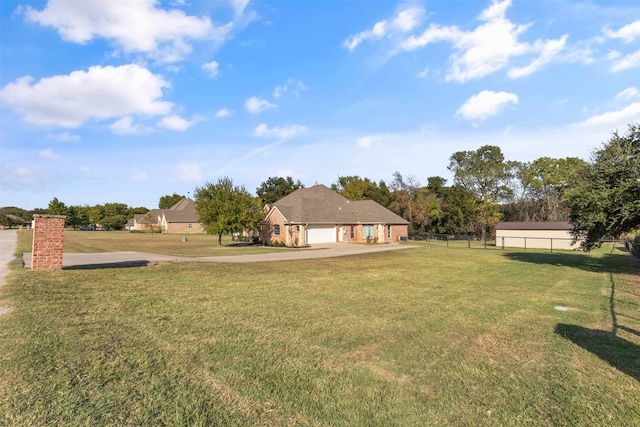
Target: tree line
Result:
[600, 198]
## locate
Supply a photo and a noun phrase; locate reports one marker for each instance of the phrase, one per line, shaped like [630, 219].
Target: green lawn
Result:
[432, 336]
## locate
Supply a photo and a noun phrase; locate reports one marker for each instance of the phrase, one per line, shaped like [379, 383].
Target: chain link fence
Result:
[491, 242]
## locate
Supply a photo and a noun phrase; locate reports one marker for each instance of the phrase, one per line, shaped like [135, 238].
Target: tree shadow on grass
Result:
[614, 263]
[618, 352]
[118, 264]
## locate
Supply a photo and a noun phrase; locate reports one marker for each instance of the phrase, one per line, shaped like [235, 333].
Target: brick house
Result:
[180, 218]
[320, 215]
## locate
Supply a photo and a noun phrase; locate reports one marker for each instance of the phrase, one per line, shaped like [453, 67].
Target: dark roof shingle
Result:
[319, 204]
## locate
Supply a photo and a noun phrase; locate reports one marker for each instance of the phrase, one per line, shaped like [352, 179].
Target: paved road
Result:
[124, 259]
[8, 240]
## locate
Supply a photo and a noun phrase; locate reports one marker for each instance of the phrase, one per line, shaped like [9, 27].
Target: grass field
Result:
[428, 336]
[169, 244]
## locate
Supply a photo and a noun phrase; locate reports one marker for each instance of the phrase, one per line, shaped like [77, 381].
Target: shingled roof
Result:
[183, 211]
[321, 205]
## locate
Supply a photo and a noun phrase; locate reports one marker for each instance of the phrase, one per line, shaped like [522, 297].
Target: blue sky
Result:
[126, 101]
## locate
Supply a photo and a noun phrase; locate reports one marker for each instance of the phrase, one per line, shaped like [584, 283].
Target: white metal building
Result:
[535, 235]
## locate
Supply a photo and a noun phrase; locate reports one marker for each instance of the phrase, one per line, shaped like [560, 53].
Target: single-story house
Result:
[535, 235]
[320, 215]
[180, 218]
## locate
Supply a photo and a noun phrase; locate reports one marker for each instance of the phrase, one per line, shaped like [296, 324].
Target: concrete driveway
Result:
[8, 240]
[132, 259]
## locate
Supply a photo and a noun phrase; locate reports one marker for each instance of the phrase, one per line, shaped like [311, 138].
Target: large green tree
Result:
[418, 205]
[76, 216]
[355, 188]
[520, 200]
[484, 174]
[56, 207]
[225, 208]
[550, 178]
[275, 188]
[167, 201]
[459, 209]
[606, 198]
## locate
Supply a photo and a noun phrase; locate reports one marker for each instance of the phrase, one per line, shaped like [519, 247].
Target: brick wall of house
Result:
[183, 228]
[276, 219]
[396, 231]
[48, 242]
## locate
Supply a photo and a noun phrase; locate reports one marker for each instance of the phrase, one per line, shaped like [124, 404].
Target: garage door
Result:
[321, 234]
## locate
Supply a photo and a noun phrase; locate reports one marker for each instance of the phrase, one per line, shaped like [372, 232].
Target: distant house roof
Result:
[319, 204]
[150, 217]
[183, 211]
[533, 225]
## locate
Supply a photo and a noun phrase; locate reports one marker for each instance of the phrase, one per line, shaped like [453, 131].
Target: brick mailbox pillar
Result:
[48, 242]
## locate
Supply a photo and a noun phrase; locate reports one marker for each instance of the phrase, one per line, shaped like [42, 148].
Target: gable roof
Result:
[183, 211]
[319, 204]
[533, 225]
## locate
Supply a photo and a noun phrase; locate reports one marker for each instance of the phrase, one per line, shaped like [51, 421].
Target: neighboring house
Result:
[538, 235]
[180, 218]
[320, 215]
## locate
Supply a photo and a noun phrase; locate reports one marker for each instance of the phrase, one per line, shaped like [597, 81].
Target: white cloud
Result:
[188, 172]
[293, 86]
[368, 141]
[256, 105]
[134, 26]
[175, 122]
[486, 104]
[211, 68]
[489, 47]
[64, 137]
[549, 50]
[629, 61]
[126, 126]
[223, 112]
[239, 6]
[628, 93]
[279, 132]
[424, 73]
[404, 21]
[99, 93]
[628, 114]
[628, 33]
[48, 154]
[408, 19]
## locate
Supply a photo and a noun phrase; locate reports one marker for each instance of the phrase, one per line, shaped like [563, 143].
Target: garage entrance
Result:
[320, 234]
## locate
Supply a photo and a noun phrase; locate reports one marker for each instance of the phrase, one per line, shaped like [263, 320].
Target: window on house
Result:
[367, 231]
[276, 230]
[190, 225]
[297, 228]
[353, 232]
[388, 231]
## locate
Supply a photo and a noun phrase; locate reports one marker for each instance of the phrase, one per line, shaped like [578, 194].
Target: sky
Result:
[105, 101]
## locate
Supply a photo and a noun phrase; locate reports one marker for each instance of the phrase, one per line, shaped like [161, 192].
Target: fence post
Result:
[552, 245]
[485, 241]
[525, 244]
[502, 243]
[447, 240]
[468, 241]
